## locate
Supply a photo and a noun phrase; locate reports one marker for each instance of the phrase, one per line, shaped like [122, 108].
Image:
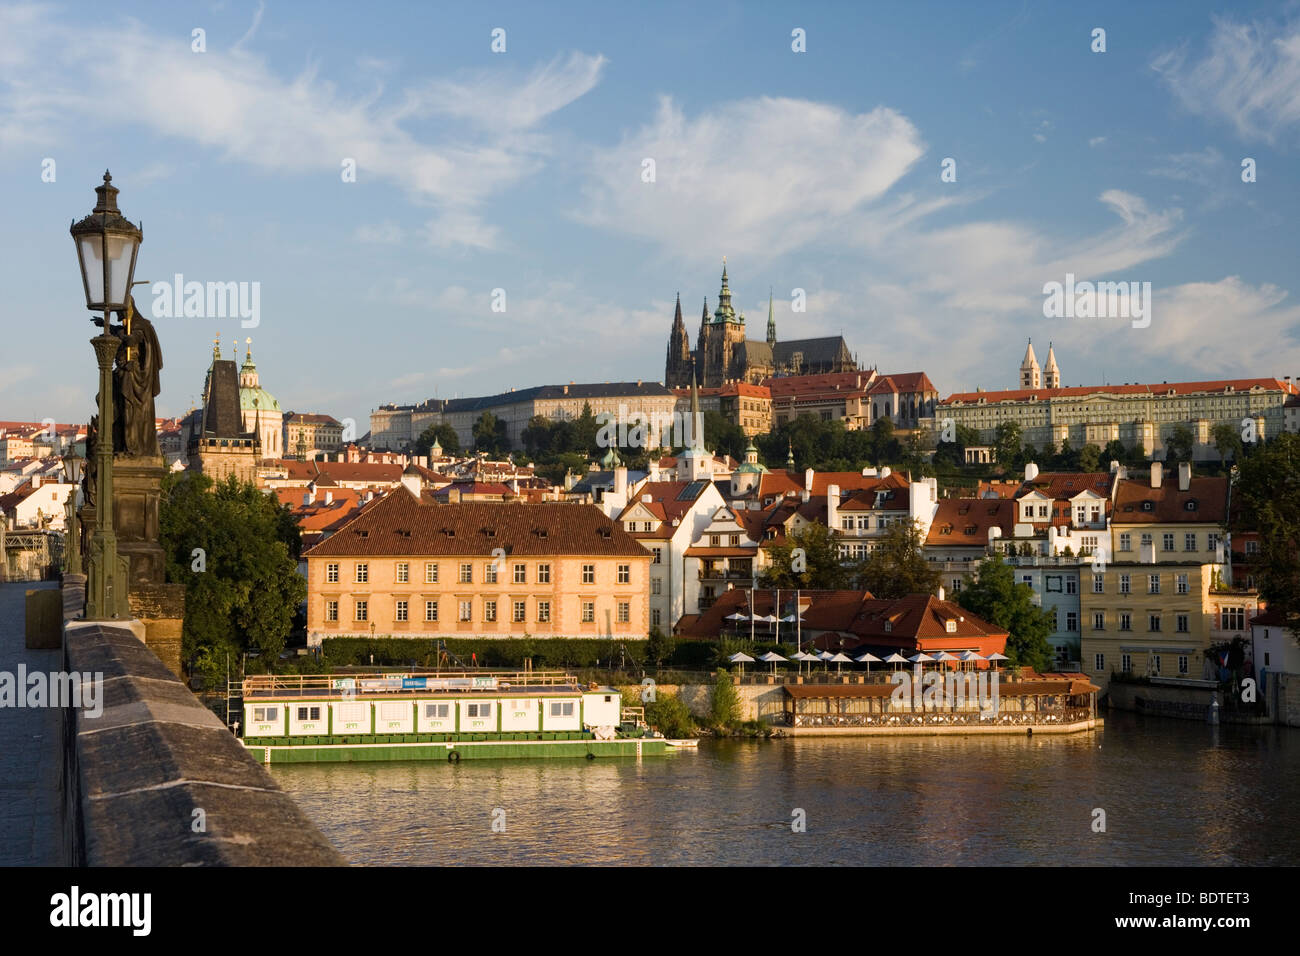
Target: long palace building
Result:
[1145, 414]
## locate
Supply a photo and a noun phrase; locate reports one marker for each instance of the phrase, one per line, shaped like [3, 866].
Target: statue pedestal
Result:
[137, 488]
[162, 609]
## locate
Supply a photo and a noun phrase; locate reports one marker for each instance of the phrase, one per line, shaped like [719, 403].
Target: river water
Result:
[1173, 792]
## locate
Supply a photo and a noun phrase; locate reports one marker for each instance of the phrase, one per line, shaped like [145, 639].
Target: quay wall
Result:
[156, 779]
[1163, 700]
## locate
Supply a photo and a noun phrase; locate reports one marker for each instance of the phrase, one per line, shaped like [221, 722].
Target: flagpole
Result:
[776, 612]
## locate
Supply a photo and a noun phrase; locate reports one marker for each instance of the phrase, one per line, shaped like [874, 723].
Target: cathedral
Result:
[723, 354]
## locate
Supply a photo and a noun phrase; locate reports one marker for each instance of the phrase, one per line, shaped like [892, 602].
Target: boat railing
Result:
[414, 681]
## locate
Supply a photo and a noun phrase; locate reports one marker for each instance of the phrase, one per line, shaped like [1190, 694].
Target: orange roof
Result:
[1082, 391]
[1136, 502]
[792, 385]
[965, 522]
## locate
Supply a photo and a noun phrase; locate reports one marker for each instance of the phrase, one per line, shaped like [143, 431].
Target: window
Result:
[403, 572]
[1051, 616]
[363, 573]
[520, 610]
[733, 540]
[466, 574]
[399, 612]
[1053, 582]
[262, 714]
[561, 708]
[489, 610]
[430, 573]
[956, 585]
[1126, 542]
[478, 710]
[332, 573]
[543, 574]
[1071, 620]
[1042, 511]
[543, 611]
[1252, 547]
[1169, 541]
[1125, 663]
[1182, 663]
[1123, 584]
[1180, 583]
[1155, 663]
[309, 713]
[1125, 623]
[466, 610]
[331, 610]
[490, 573]
[1099, 662]
[1189, 542]
[1099, 622]
[656, 586]
[715, 540]
[655, 617]
[1153, 584]
[624, 612]
[1153, 623]
[1234, 618]
[521, 574]
[588, 574]
[437, 711]
[1098, 584]
[431, 610]
[1146, 540]
[1071, 585]
[1212, 541]
[363, 610]
[625, 574]
[658, 556]
[1182, 621]
[588, 611]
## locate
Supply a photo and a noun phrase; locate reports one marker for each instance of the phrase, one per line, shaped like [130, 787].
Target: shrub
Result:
[669, 715]
[725, 709]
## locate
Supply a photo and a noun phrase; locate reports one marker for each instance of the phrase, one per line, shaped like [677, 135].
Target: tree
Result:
[1089, 458]
[1006, 443]
[490, 435]
[1114, 451]
[1227, 442]
[996, 596]
[1180, 444]
[659, 647]
[724, 709]
[585, 430]
[1267, 493]
[809, 558]
[443, 434]
[235, 550]
[884, 446]
[897, 566]
[724, 437]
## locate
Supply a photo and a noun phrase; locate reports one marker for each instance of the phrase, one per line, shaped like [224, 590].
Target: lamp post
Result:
[72, 463]
[107, 244]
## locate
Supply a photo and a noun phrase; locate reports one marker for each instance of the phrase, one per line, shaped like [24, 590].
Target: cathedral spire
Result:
[724, 313]
[771, 322]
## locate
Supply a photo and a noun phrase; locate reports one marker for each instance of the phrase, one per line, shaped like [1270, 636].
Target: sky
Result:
[523, 171]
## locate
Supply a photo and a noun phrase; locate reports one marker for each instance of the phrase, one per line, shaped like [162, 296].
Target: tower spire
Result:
[771, 322]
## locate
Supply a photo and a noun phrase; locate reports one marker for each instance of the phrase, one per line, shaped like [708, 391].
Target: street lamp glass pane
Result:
[92, 265]
[121, 254]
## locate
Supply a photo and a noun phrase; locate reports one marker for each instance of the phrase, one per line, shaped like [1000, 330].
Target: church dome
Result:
[265, 400]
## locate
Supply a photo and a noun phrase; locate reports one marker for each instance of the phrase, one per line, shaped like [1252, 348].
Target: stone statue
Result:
[136, 382]
[90, 474]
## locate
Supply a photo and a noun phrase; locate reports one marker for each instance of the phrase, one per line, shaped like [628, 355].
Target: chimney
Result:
[833, 507]
[1184, 475]
[36, 482]
[306, 498]
[807, 480]
[620, 480]
[453, 496]
[1031, 471]
[329, 497]
[805, 495]
[1157, 474]
[411, 482]
[941, 593]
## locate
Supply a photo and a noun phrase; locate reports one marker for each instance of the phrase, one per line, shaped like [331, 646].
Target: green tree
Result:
[884, 446]
[490, 435]
[996, 596]
[659, 647]
[724, 437]
[1180, 443]
[669, 715]
[897, 565]
[809, 558]
[1089, 458]
[724, 709]
[1006, 443]
[1227, 442]
[1114, 451]
[443, 434]
[1267, 493]
[585, 430]
[235, 550]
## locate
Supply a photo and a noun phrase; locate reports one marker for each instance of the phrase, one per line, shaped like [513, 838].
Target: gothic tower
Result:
[771, 324]
[1052, 372]
[1031, 375]
[678, 367]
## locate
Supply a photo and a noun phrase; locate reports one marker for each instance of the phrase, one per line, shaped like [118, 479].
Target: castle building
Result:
[218, 444]
[723, 354]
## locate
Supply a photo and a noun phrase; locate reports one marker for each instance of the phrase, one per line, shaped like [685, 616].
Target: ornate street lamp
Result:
[72, 464]
[107, 244]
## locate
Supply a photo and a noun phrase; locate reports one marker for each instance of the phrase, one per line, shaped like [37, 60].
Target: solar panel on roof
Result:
[691, 491]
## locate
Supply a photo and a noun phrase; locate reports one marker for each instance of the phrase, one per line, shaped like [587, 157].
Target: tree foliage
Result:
[490, 436]
[242, 586]
[998, 598]
[724, 709]
[897, 565]
[808, 558]
[443, 434]
[1267, 494]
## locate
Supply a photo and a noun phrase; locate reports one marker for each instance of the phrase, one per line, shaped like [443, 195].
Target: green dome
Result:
[265, 400]
[749, 468]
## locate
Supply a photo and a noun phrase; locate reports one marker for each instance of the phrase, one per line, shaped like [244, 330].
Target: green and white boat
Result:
[439, 715]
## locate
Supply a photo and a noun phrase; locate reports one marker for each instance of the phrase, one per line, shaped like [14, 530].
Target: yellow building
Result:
[1147, 607]
[410, 567]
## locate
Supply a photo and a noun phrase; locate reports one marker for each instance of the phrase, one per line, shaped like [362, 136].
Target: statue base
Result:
[137, 489]
[162, 609]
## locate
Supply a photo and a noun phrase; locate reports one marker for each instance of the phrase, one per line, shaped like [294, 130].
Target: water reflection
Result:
[1174, 792]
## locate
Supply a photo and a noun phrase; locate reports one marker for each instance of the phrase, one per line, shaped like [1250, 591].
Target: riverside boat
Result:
[438, 715]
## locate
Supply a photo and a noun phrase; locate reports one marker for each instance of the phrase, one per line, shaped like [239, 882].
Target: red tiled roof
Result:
[965, 522]
[1168, 504]
[803, 385]
[1082, 391]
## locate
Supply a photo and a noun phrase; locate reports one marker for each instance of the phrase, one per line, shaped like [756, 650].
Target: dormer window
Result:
[950, 627]
[1148, 506]
[1190, 504]
[889, 627]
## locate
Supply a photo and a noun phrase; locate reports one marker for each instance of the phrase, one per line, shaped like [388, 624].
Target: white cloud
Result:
[1096, 141]
[1248, 77]
[1197, 167]
[233, 103]
[755, 177]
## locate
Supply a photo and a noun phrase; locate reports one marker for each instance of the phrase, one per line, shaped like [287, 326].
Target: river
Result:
[1174, 792]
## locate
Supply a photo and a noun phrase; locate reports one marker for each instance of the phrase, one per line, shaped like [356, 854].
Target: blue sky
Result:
[522, 171]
